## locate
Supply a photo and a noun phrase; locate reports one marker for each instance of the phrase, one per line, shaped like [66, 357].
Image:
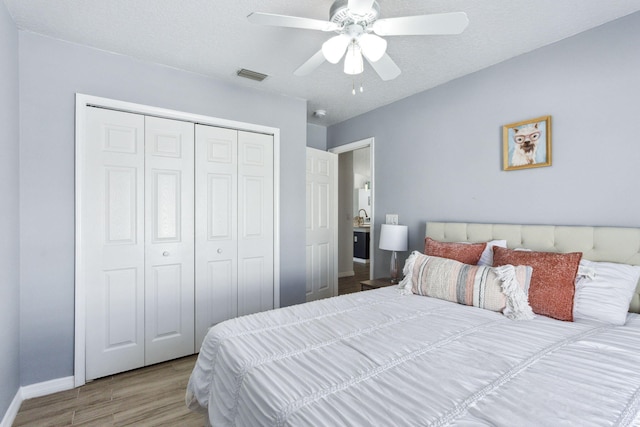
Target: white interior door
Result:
[216, 227]
[255, 222]
[169, 239]
[113, 202]
[321, 212]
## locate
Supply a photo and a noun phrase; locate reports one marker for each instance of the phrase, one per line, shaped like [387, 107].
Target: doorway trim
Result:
[364, 143]
[82, 103]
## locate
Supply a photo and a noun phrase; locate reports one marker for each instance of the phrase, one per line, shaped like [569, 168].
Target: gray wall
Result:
[51, 72]
[9, 222]
[439, 152]
[316, 136]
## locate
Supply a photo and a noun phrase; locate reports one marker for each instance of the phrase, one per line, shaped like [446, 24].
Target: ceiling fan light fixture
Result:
[358, 32]
[334, 48]
[353, 63]
[373, 47]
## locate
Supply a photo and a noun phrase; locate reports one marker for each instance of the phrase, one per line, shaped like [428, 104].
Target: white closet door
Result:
[169, 237]
[216, 227]
[255, 222]
[113, 236]
[321, 209]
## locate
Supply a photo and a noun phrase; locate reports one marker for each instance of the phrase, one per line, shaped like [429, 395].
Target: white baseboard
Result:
[32, 391]
[361, 260]
[12, 411]
[346, 274]
[46, 387]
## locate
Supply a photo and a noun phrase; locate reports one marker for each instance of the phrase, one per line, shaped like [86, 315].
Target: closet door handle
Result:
[219, 250]
[165, 253]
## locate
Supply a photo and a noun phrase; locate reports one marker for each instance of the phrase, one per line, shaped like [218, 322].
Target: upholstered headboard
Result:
[613, 244]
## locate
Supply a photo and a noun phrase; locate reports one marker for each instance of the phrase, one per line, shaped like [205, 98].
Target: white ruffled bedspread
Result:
[379, 358]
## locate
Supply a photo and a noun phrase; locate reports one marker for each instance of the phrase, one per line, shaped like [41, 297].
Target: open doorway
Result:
[356, 190]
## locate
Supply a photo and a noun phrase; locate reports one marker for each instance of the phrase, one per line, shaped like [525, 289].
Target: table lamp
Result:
[394, 238]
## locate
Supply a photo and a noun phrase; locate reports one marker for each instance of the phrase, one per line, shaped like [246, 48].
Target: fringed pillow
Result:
[497, 289]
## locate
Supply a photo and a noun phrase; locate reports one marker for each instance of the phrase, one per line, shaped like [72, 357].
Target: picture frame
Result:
[526, 144]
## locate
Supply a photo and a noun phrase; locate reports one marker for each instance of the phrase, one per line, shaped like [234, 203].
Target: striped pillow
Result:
[476, 285]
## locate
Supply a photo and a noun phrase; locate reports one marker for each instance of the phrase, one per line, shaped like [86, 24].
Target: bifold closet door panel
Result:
[255, 222]
[112, 233]
[216, 227]
[169, 239]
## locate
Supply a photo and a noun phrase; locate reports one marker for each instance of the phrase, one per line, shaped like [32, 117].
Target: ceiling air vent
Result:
[253, 75]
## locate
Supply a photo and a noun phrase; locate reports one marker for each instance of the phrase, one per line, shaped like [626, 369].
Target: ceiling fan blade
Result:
[291, 22]
[312, 63]
[422, 25]
[386, 68]
[360, 7]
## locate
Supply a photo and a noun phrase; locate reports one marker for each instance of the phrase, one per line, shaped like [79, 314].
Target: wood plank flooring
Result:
[347, 285]
[151, 396]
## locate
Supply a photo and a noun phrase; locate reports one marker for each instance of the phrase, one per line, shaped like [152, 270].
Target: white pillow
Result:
[487, 255]
[605, 294]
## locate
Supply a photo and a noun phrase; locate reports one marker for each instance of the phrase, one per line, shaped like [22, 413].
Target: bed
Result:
[384, 357]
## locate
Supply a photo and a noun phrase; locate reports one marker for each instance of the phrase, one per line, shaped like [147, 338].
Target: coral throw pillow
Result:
[552, 282]
[461, 252]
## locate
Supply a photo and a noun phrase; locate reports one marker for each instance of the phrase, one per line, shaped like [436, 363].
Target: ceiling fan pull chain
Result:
[353, 87]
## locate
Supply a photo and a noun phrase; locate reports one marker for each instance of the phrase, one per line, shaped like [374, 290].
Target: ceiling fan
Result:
[358, 34]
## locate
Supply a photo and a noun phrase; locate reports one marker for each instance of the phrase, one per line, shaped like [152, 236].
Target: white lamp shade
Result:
[373, 47]
[353, 60]
[394, 237]
[334, 48]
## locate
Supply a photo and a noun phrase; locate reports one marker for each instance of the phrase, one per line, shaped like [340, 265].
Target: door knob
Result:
[165, 253]
[219, 250]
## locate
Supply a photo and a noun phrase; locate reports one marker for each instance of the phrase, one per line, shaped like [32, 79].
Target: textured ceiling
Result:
[214, 38]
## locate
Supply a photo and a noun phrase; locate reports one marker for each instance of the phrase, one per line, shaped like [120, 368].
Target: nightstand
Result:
[366, 285]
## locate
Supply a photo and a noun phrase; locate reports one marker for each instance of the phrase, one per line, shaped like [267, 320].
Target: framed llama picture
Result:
[526, 144]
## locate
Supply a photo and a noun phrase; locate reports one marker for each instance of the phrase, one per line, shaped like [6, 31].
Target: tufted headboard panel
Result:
[612, 244]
